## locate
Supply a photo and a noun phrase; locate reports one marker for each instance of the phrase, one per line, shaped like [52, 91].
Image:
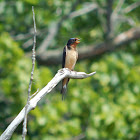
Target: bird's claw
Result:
[61, 71]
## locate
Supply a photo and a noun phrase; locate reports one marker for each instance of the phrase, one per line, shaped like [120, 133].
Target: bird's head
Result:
[73, 41]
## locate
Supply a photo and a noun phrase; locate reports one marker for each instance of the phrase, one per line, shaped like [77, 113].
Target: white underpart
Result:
[71, 58]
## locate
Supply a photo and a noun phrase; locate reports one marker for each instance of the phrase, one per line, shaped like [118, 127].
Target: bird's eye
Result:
[75, 39]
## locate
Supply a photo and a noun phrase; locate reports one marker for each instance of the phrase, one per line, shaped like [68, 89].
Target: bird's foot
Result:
[62, 71]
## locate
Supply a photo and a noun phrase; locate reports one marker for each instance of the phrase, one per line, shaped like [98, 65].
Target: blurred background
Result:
[105, 106]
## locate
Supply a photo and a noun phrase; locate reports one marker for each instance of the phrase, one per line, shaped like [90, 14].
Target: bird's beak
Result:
[77, 41]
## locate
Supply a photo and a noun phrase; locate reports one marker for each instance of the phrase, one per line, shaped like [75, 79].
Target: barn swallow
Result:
[70, 56]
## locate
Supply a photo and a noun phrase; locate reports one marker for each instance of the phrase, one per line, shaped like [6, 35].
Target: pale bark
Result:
[61, 74]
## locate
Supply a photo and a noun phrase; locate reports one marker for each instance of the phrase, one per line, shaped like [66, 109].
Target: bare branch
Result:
[109, 19]
[61, 74]
[79, 137]
[116, 13]
[22, 36]
[34, 94]
[123, 18]
[24, 132]
[53, 29]
[131, 7]
[118, 7]
[83, 11]
[28, 43]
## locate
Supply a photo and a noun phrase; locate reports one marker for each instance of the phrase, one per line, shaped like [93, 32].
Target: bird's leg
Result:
[61, 71]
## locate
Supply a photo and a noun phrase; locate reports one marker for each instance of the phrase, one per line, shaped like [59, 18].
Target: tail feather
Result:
[64, 92]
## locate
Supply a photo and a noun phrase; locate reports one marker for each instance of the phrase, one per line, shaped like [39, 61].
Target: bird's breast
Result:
[71, 58]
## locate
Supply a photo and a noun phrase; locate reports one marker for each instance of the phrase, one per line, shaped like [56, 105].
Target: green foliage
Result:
[105, 106]
[15, 71]
[117, 97]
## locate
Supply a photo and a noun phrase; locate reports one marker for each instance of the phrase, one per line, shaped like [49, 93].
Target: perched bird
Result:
[70, 55]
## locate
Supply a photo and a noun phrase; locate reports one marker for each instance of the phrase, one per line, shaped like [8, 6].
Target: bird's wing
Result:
[64, 57]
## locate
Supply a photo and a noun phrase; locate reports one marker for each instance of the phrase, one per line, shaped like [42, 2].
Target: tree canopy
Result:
[105, 106]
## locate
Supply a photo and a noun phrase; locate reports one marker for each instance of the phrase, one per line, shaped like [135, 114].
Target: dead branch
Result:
[84, 10]
[131, 7]
[61, 74]
[109, 19]
[24, 132]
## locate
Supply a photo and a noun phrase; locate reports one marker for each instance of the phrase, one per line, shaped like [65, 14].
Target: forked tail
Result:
[64, 92]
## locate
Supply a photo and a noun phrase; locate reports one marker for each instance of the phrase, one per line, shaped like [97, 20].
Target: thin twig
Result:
[116, 13]
[87, 9]
[79, 137]
[61, 74]
[131, 7]
[118, 7]
[24, 132]
[34, 93]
